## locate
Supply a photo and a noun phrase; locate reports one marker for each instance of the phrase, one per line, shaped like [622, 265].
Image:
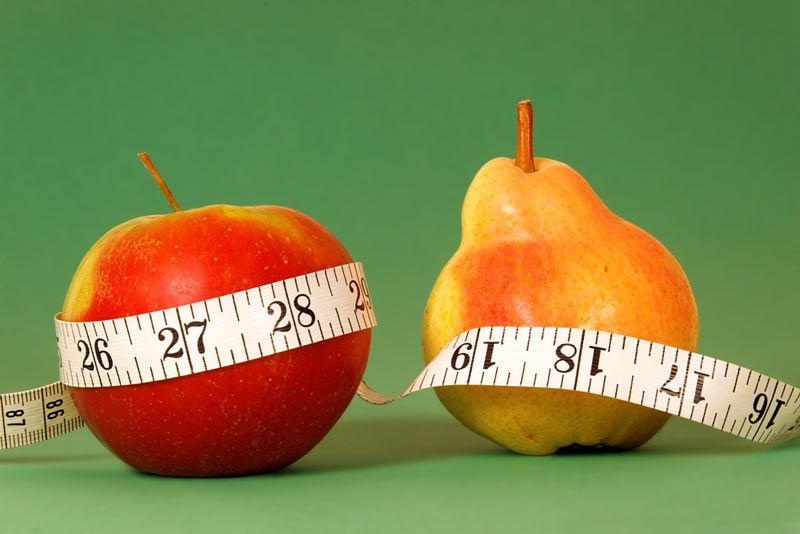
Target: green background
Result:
[373, 118]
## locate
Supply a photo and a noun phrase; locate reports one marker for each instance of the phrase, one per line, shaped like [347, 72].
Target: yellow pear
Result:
[539, 248]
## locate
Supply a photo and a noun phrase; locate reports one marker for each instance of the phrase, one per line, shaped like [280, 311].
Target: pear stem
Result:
[524, 159]
[162, 185]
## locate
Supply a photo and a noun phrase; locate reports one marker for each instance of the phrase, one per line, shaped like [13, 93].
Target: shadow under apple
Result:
[366, 443]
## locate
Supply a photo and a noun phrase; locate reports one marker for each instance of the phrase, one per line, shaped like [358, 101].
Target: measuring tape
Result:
[198, 337]
[307, 309]
[696, 387]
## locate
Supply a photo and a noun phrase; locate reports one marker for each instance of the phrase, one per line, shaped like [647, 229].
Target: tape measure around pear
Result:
[198, 337]
[707, 390]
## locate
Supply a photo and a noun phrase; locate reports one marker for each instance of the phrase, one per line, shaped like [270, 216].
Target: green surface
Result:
[373, 119]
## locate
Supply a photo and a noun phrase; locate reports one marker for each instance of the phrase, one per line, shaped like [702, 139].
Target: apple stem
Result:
[524, 159]
[162, 185]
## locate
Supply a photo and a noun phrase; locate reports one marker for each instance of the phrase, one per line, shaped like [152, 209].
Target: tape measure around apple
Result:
[198, 337]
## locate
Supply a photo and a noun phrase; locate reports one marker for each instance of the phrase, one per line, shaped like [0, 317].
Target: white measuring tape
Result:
[284, 315]
[696, 387]
[198, 337]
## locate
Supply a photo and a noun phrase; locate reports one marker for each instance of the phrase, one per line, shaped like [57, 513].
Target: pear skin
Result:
[539, 248]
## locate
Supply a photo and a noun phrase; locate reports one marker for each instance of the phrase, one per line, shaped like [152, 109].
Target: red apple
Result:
[247, 418]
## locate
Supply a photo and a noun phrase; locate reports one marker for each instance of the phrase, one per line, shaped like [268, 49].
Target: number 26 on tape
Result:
[99, 354]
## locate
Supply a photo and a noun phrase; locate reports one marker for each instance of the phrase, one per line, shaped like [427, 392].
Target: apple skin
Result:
[248, 418]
